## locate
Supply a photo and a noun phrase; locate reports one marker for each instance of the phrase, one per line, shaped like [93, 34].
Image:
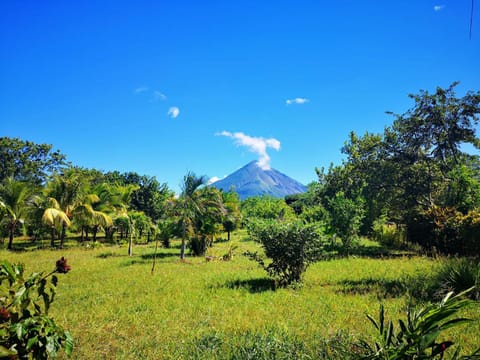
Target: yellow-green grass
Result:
[117, 309]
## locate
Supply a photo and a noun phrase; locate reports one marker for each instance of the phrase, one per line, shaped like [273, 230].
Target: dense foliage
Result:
[26, 329]
[290, 247]
[416, 173]
[419, 336]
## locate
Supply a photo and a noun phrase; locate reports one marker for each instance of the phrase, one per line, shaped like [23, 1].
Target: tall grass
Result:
[116, 309]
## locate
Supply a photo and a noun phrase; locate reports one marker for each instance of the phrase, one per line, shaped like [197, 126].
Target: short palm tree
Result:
[14, 200]
[188, 206]
[56, 218]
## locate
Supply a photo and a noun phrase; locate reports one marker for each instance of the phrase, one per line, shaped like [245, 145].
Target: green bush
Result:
[458, 275]
[26, 330]
[290, 246]
[417, 337]
[388, 233]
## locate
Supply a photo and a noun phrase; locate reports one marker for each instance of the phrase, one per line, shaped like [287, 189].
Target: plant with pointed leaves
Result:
[26, 329]
[417, 337]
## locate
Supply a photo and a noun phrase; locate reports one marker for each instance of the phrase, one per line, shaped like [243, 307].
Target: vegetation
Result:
[290, 246]
[26, 329]
[418, 336]
[115, 308]
[407, 192]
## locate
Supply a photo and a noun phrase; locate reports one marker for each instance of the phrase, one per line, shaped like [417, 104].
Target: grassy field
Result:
[117, 309]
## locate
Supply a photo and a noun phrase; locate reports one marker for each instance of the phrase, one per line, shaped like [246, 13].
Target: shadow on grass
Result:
[160, 255]
[381, 287]
[253, 286]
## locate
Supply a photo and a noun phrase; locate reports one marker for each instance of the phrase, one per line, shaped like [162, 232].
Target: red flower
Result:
[62, 266]
[4, 314]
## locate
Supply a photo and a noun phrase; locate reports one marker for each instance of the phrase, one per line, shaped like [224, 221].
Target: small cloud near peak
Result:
[214, 180]
[173, 112]
[298, 101]
[158, 96]
[140, 89]
[438, 8]
[257, 145]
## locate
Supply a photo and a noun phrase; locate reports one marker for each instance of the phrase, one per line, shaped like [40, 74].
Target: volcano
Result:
[252, 180]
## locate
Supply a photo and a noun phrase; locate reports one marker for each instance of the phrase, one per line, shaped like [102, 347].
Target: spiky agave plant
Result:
[417, 336]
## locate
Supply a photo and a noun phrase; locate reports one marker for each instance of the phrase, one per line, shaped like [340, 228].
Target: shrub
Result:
[416, 337]
[388, 233]
[290, 246]
[458, 275]
[346, 218]
[26, 330]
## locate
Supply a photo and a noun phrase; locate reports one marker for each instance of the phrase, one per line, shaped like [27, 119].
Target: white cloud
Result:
[438, 7]
[299, 101]
[214, 180]
[158, 96]
[173, 112]
[257, 145]
[140, 89]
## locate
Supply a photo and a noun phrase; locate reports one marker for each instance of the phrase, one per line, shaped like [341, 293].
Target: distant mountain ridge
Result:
[252, 180]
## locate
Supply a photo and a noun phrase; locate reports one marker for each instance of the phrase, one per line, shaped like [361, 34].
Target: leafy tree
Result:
[28, 161]
[65, 192]
[233, 217]
[291, 246]
[188, 206]
[208, 221]
[346, 216]
[55, 218]
[266, 207]
[415, 165]
[14, 200]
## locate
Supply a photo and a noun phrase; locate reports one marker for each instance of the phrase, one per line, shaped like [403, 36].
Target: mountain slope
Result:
[252, 180]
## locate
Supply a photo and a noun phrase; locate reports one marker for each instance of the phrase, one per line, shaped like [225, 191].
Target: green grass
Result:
[116, 309]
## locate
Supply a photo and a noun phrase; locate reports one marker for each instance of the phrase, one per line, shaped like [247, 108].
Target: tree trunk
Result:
[11, 235]
[62, 236]
[86, 233]
[228, 235]
[52, 239]
[182, 250]
[94, 231]
[130, 244]
[81, 236]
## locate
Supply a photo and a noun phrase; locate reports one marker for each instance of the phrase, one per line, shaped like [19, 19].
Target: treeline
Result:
[43, 196]
[413, 183]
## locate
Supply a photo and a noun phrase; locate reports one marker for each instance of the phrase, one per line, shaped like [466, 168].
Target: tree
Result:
[27, 161]
[266, 207]
[208, 221]
[346, 216]
[65, 192]
[198, 210]
[55, 218]
[14, 200]
[416, 165]
[188, 206]
[233, 217]
[291, 246]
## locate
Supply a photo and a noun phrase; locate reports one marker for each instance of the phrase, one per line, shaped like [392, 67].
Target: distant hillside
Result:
[252, 180]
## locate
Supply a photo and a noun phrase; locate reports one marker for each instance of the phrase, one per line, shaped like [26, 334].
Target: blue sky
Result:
[151, 86]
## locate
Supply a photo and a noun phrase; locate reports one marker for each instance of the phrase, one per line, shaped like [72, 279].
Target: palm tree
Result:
[188, 206]
[14, 197]
[199, 209]
[56, 218]
[65, 192]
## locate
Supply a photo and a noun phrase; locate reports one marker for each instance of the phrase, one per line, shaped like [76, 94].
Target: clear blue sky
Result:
[145, 86]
